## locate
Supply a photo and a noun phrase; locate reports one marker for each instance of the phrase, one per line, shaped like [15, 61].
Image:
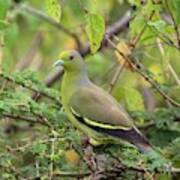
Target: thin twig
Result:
[8, 78]
[174, 23]
[161, 49]
[116, 77]
[164, 37]
[44, 17]
[133, 44]
[138, 68]
[24, 147]
[37, 169]
[115, 28]
[51, 165]
[118, 169]
[54, 76]
[121, 167]
[174, 74]
[71, 174]
[24, 118]
[146, 126]
[30, 54]
[138, 37]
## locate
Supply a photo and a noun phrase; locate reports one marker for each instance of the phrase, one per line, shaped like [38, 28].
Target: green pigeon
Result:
[92, 110]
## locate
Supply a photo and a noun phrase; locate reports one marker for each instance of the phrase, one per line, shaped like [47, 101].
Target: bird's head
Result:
[71, 61]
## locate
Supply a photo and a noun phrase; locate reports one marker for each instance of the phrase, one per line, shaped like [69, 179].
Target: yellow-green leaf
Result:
[174, 92]
[95, 30]
[4, 5]
[134, 100]
[53, 9]
[159, 24]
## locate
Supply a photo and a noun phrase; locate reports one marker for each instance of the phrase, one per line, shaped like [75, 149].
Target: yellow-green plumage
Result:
[91, 109]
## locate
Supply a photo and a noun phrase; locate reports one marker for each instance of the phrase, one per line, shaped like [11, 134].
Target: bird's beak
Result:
[58, 63]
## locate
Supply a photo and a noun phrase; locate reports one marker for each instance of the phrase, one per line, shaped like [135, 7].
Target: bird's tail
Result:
[140, 141]
[133, 136]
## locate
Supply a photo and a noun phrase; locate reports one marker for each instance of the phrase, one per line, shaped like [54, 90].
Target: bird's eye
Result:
[71, 57]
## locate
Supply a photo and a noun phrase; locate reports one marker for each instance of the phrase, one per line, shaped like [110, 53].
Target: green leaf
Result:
[11, 35]
[173, 151]
[159, 25]
[134, 2]
[4, 5]
[136, 24]
[174, 92]
[54, 9]
[95, 30]
[3, 25]
[175, 9]
[134, 99]
[39, 148]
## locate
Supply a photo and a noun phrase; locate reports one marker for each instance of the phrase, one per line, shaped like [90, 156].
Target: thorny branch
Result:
[31, 88]
[27, 119]
[114, 172]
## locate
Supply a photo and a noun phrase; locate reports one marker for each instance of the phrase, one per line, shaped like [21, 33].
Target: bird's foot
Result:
[85, 142]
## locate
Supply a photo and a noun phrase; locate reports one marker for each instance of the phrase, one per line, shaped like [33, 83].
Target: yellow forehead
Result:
[64, 54]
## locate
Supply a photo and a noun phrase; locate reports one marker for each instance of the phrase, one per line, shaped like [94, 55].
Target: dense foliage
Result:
[132, 49]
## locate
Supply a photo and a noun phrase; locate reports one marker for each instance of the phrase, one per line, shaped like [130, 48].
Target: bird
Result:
[92, 110]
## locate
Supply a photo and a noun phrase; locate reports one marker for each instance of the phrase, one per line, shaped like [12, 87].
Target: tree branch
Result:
[116, 77]
[25, 118]
[138, 37]
[8, 78]
[71, 174]
[174, 23]
[44, 17]
[138, 68]
[30, 54]
[114, 29]
[107, 173]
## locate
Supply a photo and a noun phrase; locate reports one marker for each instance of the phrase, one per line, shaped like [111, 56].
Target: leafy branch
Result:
[27, 119]
[143, 72]
[174, 23]
[116, 28]
[30, 87]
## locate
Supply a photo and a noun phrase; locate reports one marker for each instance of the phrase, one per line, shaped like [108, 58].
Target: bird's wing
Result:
[97, 108]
